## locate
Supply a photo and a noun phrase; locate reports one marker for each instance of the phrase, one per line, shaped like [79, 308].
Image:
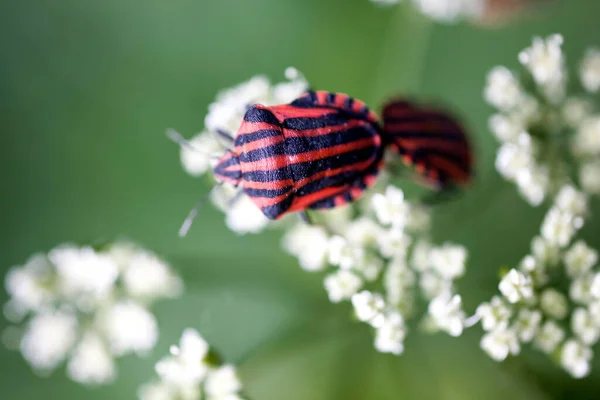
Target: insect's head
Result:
[228, 168]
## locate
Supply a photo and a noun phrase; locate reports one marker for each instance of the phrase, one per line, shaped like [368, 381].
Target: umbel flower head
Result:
[191, 372]
[87, 306]
[533, 125]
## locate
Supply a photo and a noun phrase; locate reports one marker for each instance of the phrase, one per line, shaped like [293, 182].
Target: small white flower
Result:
[558, 227]
[342, 285]
[342, 254]
[185, 368]
[532, 267]
[389, 337]
[48, 339]
[545, 61]
[286, 92]
[502, 89]
[594, 310]
[595, 286]
[576, 110]
[221, 382]
[580, 258]
[589, 176]
[575, 358]
[586, 142]
[433, 285]
[590, 71]
[500, 342]
[580, 290]
[390, 208]
[147, 276]
[505, 128]
[516, 286]
[130, 328]
[533, 183]
[527, 324]
[571, 201]
[245, 217]
[449, 260]
[160, 390]
[494, 314]
[549, 336]
[393, 243]
[544, 252]
[84, 275]
[447, 313]
[363, 232]
[398, 280]
[91, 362]
[369, 307]
[421, 256]
[585, 327]
[514, 160]
[309, 244]
[200, 155]
[554, 304]
[30, 285]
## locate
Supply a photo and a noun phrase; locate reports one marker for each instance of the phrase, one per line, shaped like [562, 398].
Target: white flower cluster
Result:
[545, 132]
[445, 10]
[226, 115]
[191, 373]
[381, 261]
[534, 308]
[88, 306]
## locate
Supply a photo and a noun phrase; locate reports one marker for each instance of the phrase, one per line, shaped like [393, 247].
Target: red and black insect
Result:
[429, 140]
[321, 151]
[325, 149]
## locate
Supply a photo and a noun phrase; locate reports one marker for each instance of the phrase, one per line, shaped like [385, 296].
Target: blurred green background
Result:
[86, 92]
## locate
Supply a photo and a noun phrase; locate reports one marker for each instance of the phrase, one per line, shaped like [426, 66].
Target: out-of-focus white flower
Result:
[575, 110]
[342, 285]
[500, 342]
[594, 310]
[575, 358]
[512, 159]
[91, 362]
[309, 244]
[222, 382]
[537, 270]
[389, 337]
[447, 313]
[558, 227]
[147, 276]
[449, 260]
[544, 252]
[342, 254]
[505, 128]
[527, 324]
[549, 336]
[554, 304]
[185, 366]
[545, 61]
[585, 327]
[30, 285]
[369, 307]
[390, 208]
[589, 176]
[393, 243]
[200, 155]
[571, 201]
[516, 286]
[533, 183]
[244, 216]
[580, 258]
[130, 328]
[49, 338]
[363, 232]
[580, 290]
[590, 71]
[502, 89]
[433, 285]
[421, 256]
[84, 275]
[494, 313]
[586, 141]
[450, 10]
[397, 281]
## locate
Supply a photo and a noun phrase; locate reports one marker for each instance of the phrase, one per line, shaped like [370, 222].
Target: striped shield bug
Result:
[324, 149]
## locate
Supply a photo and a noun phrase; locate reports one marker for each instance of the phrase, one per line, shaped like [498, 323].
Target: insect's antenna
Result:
[182, 142]
[185, 227]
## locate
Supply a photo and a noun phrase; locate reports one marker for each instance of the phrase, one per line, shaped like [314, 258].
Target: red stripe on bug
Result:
[251, 127]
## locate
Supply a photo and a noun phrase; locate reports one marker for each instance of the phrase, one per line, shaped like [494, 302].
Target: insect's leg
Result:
[236, 197]
[225, 138]
[305, 217]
